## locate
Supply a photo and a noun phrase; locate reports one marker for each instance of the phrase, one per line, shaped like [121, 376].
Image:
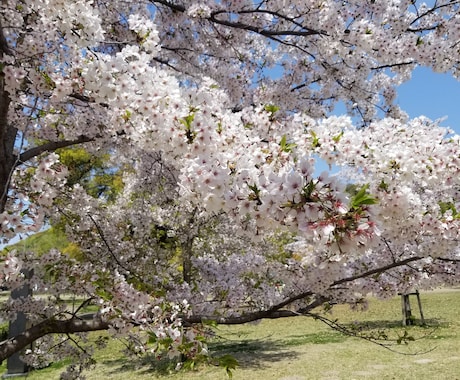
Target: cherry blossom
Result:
[216, 113]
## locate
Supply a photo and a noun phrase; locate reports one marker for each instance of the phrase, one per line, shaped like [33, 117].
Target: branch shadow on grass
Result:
[250, 353]
[390, 331]
[395, 324]
[256, 353]
[253, 353]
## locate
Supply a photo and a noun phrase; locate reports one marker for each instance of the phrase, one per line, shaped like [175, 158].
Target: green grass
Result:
[305, 349]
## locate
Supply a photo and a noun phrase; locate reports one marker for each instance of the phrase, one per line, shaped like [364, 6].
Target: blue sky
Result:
[427, 93]
[433, 95]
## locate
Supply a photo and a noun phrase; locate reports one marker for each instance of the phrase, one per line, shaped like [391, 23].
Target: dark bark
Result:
[73, 325]
[274, 312]
[51, 146]
[187, 261]
[7, 132]
[7, 138]
[377, 271]
[92, 322]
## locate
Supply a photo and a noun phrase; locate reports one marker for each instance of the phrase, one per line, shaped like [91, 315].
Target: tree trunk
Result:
[187, 260]
[7, 157]
[7, 134]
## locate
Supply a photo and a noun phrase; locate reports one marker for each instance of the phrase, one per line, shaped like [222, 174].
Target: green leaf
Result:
[127, 115]
[338, 137]
[254, 188]
[285, 146]
[307, 191]
[152, 338]
[229, 363]
[187, 122]
[315, 142]
[394, 165]
[219, 128]
[271, 108]
[362, 197]
[383, 185]
[49, 82]
[446, 206]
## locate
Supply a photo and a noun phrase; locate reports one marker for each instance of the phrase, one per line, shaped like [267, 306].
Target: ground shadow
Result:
[256, 353]
[250, 353]
[394, 324]
[253, 353]
[321, 337]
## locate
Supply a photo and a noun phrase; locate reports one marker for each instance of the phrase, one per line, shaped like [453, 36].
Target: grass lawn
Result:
[305, 349]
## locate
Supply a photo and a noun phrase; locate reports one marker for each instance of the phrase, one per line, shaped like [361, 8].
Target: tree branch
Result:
[376, 271]
[274, 312]
[261, 31]
[4, 48]
[238, 320]
[73, 325]
[51, 146]
[78, 324]
[378, 339]
[239, 25]
[169, 4]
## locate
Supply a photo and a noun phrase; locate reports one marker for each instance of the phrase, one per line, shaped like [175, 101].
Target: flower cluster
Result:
[146, 31]
[199, 10]
[33, 201]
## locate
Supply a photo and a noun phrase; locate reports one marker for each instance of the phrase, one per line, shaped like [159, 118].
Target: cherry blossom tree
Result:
[217, 110]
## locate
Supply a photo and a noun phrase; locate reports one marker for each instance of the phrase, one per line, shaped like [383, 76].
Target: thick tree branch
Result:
[169, 4]
[4, 49]
[243, 26]
[51, 147]
[261, 31]
[376, 271]
[73, 325]
[277, 312]
[445, 259]
[245, 318]
[7, 131]
[274, 312]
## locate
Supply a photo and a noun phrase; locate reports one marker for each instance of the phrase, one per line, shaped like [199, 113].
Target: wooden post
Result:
[15, 366]
[407, 318]
[420, 307]
[406, 310]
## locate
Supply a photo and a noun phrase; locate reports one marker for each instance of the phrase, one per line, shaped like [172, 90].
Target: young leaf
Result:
[315, 142]
[285, 146]
[362, 197]
[229, 363]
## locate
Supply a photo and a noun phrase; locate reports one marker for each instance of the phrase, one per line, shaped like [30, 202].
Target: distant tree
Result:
[94, 172]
